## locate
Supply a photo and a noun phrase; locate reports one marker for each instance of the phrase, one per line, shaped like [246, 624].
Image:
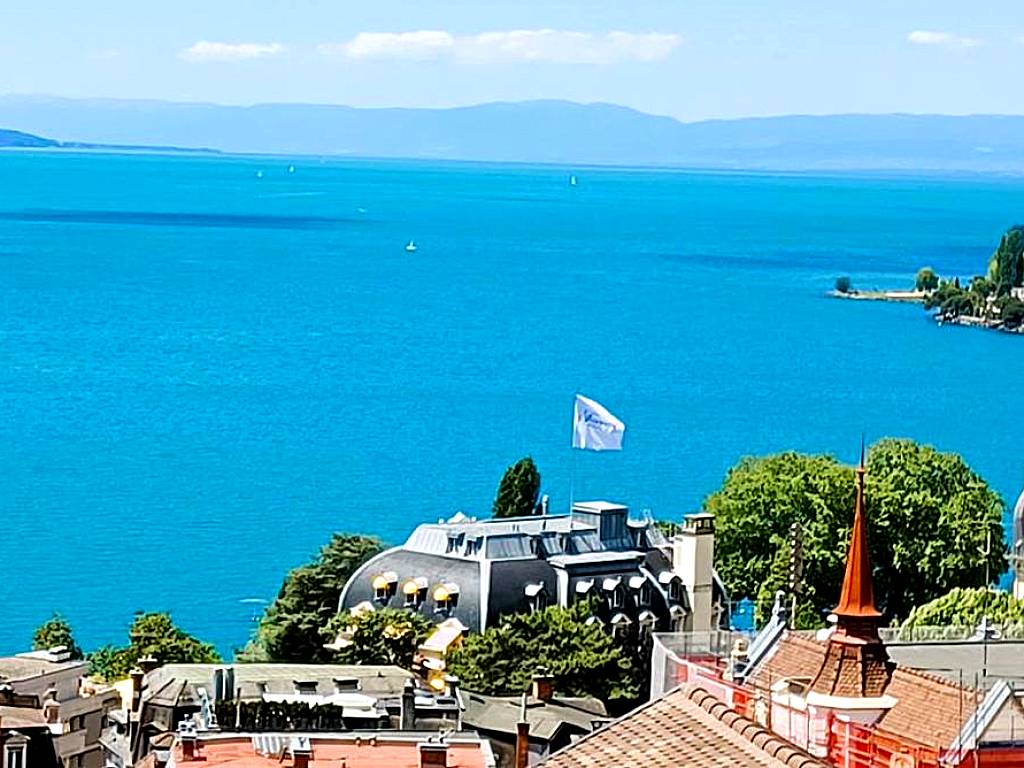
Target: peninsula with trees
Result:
[992, 300]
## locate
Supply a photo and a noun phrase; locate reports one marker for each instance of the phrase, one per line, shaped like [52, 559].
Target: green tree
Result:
[1012, 313]
[583, 658]
[155, 635]
[926, 279]
[55, 631]
[387, 636]
[1009, 259]
[966, 607]
[843, 284]
[929, 515]
[291, 628]
[518, 491]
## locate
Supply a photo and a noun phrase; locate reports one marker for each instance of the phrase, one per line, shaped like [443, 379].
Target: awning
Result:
[592, 620]
[677, 612]
[584, 586]
[647, 617]
[444, 591]
[620, 620]
[635, 582]
[385, 580]
[666, 577]
[412, 586]
[610, 585]
[532, 590]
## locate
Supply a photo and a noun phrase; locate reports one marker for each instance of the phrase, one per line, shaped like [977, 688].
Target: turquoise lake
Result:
[204, 373]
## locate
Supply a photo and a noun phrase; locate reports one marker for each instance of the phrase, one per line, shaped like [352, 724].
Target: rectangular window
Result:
[14, 757]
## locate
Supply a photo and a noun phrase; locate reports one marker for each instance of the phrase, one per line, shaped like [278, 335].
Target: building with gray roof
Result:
[476, 571]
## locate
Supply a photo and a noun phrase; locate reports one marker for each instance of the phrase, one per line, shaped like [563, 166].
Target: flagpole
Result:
[572, 479]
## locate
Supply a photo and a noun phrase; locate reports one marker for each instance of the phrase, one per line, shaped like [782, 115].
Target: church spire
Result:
[857, 599]
[856, 663]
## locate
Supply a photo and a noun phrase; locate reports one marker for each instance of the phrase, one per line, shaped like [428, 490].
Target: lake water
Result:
[204, 373]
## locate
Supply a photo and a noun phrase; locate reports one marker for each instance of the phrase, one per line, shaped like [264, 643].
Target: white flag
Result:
[594, 427]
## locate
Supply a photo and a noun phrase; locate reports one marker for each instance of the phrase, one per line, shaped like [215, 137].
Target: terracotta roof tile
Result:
[685, 727]
[353, 751]
[929, 710]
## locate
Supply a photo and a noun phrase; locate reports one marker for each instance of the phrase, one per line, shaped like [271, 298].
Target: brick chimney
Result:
[136, 676]
[543, 686]
[522, 737]
[148, 664]
[433, 754]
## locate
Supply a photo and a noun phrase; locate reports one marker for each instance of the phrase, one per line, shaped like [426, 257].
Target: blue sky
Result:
[689, 59]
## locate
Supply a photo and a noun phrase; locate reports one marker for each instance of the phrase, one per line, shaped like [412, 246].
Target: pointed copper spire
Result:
[857, 599]
[856, 663]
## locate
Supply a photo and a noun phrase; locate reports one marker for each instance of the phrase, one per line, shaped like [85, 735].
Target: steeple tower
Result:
[856, 611]
[856, 664]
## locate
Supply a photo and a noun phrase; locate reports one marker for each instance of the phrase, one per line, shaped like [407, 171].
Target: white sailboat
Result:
[572, 181]
[411, 247]
[291, 169]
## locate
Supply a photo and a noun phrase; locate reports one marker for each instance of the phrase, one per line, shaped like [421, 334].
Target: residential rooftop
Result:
[687, 727]
[501, 714]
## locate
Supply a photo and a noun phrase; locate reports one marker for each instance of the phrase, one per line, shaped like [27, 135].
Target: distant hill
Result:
[19, 139]
[539, 131]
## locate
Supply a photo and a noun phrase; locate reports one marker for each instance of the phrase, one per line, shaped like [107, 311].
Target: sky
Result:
[691, 59]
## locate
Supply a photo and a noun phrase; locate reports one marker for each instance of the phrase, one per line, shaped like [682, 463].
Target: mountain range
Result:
[534, 132]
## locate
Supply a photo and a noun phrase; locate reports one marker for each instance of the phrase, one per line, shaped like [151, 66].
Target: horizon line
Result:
[495, 102]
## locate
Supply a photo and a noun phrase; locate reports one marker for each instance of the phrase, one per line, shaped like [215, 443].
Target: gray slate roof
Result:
[14, 668]
[500, 714]
[172, 683]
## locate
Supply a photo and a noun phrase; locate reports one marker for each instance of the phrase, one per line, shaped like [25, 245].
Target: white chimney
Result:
[693, 558]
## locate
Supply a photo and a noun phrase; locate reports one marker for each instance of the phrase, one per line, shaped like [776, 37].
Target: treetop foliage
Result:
[584, 659]
[518, 491]
[292, 626]
[56, 631]
[928, 517]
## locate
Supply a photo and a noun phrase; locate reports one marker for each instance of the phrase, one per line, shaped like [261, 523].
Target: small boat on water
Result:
[291, 169]
[572, 181]
[411, 247]
[259, 174]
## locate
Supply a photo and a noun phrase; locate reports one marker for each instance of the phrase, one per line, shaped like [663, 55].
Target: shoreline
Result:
[918, 297]
[903, 297]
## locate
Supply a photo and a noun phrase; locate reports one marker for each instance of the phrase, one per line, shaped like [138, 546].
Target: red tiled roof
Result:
[929, 710]
[687, 727]
[382, 752]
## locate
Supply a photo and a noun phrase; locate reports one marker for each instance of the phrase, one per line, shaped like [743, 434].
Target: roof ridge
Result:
[754, 733]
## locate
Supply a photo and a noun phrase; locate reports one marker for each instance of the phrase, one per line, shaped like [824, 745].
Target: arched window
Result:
[446, 597]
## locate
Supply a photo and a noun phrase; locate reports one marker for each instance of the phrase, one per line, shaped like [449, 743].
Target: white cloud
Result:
[548, 45]
[423, 45]
[944, 39]
[205, 50]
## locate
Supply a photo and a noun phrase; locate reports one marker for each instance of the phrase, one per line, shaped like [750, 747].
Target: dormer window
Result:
[641, 588]
[15, 751]
[646, 620]
[584, 588]
[620, 624]
[536, 596]
[677, 617]
[305, 687]
[415, 591]
[384, 586]
[472, 546]
[446, 597]
[672, 584]
[613, 592]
